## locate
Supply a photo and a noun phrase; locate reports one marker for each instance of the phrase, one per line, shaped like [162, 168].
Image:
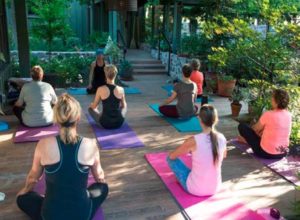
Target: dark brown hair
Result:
[37, 73]
[186, 70]
[195, 64]
[281, 98]
[209, 117]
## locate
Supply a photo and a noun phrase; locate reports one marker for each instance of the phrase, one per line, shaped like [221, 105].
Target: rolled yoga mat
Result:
[169, 89]
[40, 187]
[123, 137]
[287, 167]
[26, 134]
[221, 206]
[82, 91]
[182, 125]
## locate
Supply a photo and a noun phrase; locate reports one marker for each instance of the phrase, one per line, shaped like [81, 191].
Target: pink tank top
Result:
[205, 177]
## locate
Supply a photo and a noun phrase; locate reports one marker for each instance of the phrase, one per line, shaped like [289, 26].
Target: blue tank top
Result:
[66, 186]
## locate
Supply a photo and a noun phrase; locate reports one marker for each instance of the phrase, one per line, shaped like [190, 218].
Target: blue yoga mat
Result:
[3, 126]
[82, 91]
[169, 89]
[182, 125]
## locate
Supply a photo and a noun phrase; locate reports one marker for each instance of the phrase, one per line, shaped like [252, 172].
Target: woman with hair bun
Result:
[66, 160]
[269, 137]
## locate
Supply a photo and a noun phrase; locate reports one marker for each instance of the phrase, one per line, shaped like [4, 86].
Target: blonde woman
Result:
[66, 160]
[114, 105]
[34, 106]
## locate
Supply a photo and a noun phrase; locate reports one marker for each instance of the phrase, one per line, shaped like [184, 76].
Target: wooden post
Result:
[152, 23]
[112, 16]
[167, 19]
[4, 44]
[22, 37]
[177, 26]
[142, 31]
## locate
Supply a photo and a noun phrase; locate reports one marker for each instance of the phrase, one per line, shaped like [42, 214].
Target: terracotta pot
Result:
[235, 109]
[225, 88]
[250, 109]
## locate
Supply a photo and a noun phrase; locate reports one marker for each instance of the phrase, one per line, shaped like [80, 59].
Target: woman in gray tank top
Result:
[186, 92]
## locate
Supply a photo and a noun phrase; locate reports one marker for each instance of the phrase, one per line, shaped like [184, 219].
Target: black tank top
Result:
[66, 186]
[99, 76]
[111, 114]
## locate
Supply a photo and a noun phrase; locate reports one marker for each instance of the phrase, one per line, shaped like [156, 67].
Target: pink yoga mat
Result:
[123, 137]
[287, 167]
[40, 188]
[221, 206]
[26, 134]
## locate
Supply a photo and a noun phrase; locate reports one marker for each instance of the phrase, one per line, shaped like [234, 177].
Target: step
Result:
[150, 71]
[143, 61]
[148, 65]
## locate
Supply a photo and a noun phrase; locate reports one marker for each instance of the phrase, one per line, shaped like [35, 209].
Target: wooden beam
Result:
[4, 43]
[177, 27]
[22, 37]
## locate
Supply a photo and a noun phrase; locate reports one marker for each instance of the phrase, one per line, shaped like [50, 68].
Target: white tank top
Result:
[205, 177]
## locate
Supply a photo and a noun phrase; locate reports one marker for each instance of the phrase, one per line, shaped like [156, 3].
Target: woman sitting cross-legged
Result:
[208, 150]
[269, 137]
[34, 106]
[186, 92]
[66, 160]
[114, 105]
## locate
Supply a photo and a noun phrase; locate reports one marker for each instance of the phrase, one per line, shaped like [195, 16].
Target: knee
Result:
[20, 200]
[241, 127]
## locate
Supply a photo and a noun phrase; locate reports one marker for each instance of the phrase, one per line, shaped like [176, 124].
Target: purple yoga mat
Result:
[123, 137]
[287, 167]
[26, 134]
[40, 188]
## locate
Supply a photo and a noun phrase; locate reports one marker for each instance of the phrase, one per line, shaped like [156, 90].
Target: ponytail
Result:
[215, 146]
[67, 112]
[209, 117]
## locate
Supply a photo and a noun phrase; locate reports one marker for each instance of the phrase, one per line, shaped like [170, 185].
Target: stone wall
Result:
[175, 64]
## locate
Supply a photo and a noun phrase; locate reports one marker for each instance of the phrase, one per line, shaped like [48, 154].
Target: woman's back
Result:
[112, 115]
[66, 185]
[37, 97]
[205, 177]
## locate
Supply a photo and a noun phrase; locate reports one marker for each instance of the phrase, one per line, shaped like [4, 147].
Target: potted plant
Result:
[226, 84]
[126, 71]
[235, 98]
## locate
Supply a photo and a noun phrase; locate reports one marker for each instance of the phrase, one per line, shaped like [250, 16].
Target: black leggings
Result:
[31, 202]
[254, 141]
[18, 113]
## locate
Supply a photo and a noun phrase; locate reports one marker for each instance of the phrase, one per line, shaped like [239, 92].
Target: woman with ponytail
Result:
[66, 161]
[208, 150]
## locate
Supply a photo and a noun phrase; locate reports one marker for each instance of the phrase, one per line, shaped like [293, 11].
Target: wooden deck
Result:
[135, 190]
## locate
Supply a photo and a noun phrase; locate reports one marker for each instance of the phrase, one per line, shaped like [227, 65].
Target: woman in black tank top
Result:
[97, 75]
[66, 172]
[114, 107]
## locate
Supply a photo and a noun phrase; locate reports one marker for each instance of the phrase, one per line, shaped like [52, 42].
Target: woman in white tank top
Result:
[208, 150]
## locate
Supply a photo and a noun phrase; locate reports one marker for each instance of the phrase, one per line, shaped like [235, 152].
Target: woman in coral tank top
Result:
[197, 76]
[269, 137]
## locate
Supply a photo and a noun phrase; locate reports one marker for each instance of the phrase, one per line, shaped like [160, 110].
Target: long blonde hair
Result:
[67, 112]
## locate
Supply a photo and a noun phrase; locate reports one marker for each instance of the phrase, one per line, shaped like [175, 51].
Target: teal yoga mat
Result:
[82, 91]
[3, 126]
[169, 89]
[182, 125]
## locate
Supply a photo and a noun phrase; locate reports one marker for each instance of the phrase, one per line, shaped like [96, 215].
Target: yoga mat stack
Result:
[221, 206]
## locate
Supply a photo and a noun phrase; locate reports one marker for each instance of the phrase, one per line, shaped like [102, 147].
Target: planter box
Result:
[225, 88]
